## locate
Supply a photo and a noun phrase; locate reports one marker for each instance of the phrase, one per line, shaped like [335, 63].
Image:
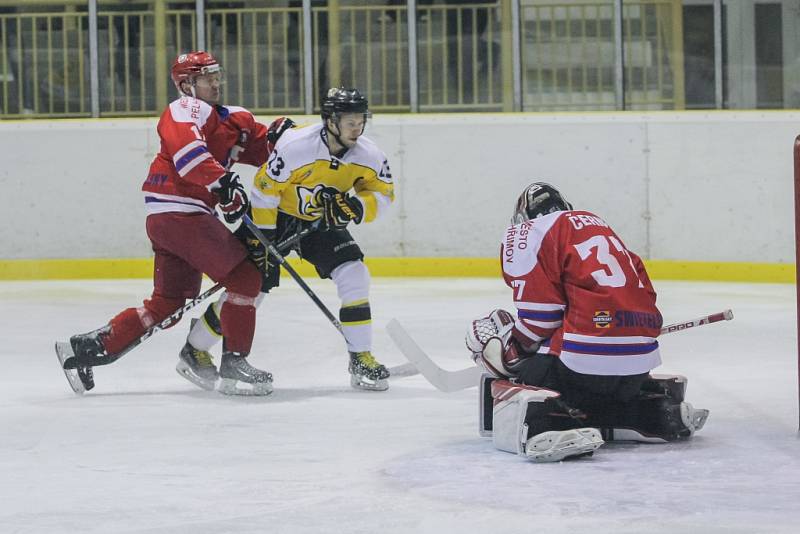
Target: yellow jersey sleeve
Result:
[375, 190]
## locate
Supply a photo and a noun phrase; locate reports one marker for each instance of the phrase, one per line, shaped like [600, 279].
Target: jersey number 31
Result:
[601, 246]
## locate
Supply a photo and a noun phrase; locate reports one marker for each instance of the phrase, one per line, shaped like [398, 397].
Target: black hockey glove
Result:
[255, 249]
[339, 209]
[233, 201]
[276, 129]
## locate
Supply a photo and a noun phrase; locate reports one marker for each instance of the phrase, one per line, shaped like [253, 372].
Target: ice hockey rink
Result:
[146, 451]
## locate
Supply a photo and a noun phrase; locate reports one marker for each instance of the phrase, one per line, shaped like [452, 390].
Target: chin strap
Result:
[325, 132]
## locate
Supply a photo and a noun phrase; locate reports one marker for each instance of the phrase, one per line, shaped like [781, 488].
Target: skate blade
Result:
[565, 444]
[64, 352]
[186, 372]
[367, 384]
[231, 386]
[693, 418]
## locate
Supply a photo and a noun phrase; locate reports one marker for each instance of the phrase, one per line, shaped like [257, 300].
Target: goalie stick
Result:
[449, 381]
[80, 377]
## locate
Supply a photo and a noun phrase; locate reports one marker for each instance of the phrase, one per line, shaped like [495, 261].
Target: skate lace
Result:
[203, 358]
[367, 360]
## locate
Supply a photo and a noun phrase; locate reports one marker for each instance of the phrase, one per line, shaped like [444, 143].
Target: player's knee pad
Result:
[352, 281]
[158, 308]
[514, 408]
[243, 280]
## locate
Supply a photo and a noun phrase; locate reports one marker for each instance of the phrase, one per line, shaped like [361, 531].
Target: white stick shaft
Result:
[726, 315]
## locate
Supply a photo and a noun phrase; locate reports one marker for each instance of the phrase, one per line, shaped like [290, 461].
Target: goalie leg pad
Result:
[511, 403]
[554, 446]
[659, 414]
[522, 424]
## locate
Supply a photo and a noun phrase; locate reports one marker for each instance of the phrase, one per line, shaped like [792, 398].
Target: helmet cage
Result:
[537, 200]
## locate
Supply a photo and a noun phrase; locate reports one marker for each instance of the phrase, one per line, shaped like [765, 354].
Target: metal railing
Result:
[497, 55]
[569, 56]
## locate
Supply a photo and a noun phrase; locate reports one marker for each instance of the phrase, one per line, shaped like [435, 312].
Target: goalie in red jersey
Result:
[189, 180]
[572, 365]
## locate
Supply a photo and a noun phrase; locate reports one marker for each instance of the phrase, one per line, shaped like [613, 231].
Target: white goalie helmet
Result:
[487, 338]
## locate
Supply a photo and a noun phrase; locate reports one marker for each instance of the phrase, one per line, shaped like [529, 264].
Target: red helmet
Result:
[187, 66]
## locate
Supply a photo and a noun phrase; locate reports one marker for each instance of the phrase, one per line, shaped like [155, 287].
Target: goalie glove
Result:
[493, 347]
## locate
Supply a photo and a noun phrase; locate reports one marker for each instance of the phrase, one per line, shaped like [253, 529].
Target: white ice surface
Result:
[146, 451]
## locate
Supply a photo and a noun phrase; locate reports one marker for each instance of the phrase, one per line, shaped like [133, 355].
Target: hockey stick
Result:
[449, 381]
[725, 315]
[71, 362]
[400, 370]
[275, 253]
[442, 379]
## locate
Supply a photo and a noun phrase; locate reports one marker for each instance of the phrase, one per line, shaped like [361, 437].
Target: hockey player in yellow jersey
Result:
[331, 173]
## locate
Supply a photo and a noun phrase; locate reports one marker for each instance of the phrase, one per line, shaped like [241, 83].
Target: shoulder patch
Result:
[188, 109]
[522, 242]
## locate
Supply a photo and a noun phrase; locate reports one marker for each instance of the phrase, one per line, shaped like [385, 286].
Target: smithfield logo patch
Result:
[602, 319]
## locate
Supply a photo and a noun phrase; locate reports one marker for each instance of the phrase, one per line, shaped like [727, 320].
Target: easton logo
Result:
[602, 319]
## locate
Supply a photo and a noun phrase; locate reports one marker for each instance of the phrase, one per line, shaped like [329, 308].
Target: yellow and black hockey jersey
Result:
[301, 165]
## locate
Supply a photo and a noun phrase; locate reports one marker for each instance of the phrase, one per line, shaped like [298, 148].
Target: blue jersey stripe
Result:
[189, 156]
[611, 350]
[548, 316]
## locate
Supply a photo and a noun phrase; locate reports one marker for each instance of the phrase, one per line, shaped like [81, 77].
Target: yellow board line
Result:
[97, 268]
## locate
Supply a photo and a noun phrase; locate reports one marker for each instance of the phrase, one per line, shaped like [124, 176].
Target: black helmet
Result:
[538, 199]
[341, 100]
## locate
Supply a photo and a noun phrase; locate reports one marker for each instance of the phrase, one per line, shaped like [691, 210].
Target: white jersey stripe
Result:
[180, 153]
[595, 364]
[528, 332]
[608, 340]
[543, 324]
[192, 164]
[260, 200]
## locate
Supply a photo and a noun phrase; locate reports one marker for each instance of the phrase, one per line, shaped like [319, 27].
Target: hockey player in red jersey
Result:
[572, 366]
[188, 179]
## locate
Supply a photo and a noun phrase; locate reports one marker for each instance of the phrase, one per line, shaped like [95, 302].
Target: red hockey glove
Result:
[276, 129]
[233, 201]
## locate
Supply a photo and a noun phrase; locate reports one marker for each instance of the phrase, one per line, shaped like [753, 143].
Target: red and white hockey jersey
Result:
[576, 285]
[199, 143]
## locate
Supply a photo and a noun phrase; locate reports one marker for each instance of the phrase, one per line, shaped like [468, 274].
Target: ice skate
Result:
[367, 373]
[238, 377]
[79, 355]
[81, 379]
[554, 446]
[197, 366]
[693, 418]
[89, 349]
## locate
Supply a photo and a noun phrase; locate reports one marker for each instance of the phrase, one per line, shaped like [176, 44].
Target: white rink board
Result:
[675, 186]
